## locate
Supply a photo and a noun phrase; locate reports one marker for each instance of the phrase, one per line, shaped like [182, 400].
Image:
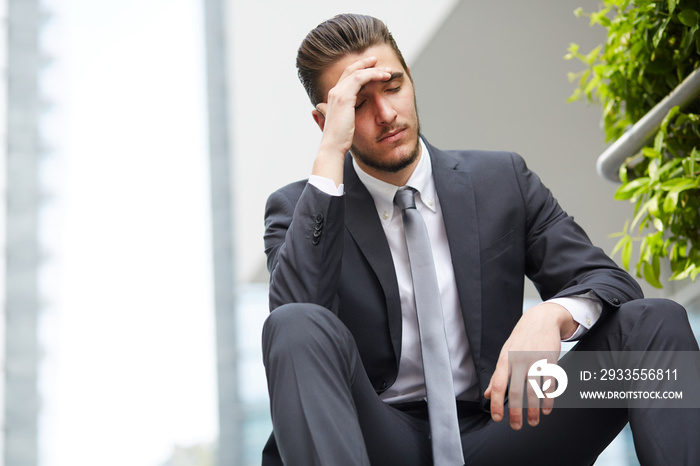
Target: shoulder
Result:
[479, 162]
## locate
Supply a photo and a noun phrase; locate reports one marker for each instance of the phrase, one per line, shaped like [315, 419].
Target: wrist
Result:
[329, 164]
[565, 321]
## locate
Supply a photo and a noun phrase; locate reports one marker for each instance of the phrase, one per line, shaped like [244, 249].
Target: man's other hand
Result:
[540, 329]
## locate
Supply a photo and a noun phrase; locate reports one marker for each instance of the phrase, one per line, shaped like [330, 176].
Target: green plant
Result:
[651, 47]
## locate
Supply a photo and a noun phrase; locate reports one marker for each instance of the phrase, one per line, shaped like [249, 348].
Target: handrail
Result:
[640, 133]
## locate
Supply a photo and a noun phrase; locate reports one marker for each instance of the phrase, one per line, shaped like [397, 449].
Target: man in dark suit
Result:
[342, 345]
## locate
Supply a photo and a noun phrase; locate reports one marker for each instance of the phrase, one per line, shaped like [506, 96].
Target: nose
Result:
[385, 112]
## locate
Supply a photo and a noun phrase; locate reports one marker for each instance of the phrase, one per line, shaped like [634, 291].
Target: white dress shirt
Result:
[409, 384]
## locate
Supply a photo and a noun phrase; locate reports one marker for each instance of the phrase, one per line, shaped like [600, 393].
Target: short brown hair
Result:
[332, 40]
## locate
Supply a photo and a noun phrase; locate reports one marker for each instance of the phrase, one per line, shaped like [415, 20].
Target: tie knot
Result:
[405, 199]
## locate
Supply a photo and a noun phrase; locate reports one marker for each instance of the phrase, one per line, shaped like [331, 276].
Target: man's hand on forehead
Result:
[354, 79]
[336, 116]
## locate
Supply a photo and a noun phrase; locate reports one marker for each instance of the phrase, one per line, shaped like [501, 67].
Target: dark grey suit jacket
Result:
[502, 225]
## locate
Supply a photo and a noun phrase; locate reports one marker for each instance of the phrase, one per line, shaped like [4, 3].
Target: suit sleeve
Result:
[304, 245]
[561, 261]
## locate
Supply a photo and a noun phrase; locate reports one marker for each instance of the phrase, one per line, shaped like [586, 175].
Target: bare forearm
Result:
[329, 164]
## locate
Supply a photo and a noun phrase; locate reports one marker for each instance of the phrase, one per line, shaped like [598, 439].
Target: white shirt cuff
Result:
[326, 185]
[585, 309]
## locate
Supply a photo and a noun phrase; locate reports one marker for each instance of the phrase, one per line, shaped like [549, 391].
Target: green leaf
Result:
[653, 170]
[658, 224]
[656, 264]
[690, 164]
[673, 255]
[680, 184]
[626, 252]
[651, 153]
[688, 40]
[671, 202]
[669, 116]
[643, 211]
[624, 239]
[660, 32]
[689, 17]
[654, 206]
[575, 96]
[682, 275]
[671, 5]
[668, 166]
[651, 275]
[622, 173]
[659, 142]
[626, 191]
[572, 51]
[694, 272]
[592, 55]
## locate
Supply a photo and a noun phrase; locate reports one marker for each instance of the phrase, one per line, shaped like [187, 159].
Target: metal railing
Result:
[644, 130]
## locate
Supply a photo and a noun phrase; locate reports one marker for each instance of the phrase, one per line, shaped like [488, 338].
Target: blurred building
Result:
[24, 106]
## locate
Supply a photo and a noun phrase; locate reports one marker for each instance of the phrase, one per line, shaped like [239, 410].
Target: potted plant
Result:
[651, 47]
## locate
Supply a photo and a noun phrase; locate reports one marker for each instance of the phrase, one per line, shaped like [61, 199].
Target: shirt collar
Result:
[383, 193]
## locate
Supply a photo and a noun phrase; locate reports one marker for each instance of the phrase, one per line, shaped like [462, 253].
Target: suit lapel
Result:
[456, 194]
[364, 226]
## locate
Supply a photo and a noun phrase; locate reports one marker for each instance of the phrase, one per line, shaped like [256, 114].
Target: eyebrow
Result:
[394, 75]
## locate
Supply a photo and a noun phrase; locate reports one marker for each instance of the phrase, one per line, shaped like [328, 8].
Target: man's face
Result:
[386, 120]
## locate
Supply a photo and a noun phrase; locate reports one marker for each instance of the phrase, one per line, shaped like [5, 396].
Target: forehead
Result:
[386, 56]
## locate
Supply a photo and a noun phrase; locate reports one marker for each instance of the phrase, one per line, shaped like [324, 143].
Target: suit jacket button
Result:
[615, 301]
[384, 385]
[316, 240]
[319, 218]
[317, 233]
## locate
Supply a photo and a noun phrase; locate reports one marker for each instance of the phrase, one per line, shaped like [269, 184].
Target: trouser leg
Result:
[662, 436]
[577, 436]
[324, 409]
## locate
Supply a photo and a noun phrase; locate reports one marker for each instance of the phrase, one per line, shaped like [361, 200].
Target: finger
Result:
[361, 77]
[365, 63]
[497, 389]
[321, 108]
[516, 396]
[362, 63]
[346, 90]
[548, 403]
[533, 406]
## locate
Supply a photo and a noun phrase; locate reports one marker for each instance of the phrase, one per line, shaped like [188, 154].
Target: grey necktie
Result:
[442, 407]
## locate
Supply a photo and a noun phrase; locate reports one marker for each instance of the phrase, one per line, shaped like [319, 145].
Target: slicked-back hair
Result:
[332, 40]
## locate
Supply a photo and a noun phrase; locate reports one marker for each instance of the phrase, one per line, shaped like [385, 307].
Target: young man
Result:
[345, 347]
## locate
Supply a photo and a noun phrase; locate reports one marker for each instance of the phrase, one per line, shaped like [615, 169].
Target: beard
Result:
[374, 161]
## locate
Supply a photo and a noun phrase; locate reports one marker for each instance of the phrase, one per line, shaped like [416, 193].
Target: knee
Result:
[655, 310]
[661, 318]
[294, 328]
[299, 318]
[292, 315]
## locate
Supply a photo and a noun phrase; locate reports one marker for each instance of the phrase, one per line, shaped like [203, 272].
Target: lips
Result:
[392, 135]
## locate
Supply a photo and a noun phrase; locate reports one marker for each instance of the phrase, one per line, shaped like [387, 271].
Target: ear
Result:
[319, 118]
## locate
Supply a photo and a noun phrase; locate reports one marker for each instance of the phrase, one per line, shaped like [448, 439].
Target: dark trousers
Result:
[326, 412]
